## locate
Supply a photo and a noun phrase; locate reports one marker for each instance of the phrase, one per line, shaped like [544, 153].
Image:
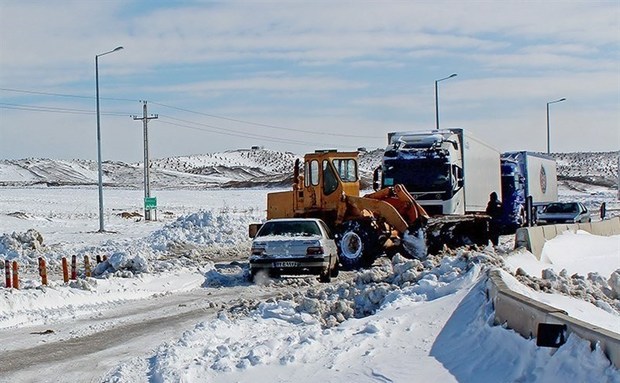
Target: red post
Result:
[15, 275]
[87, 265]
[43, 271]
[65, 270]
[7, 274]
[74, 267]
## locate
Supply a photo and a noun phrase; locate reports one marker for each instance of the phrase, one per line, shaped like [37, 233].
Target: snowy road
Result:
[89, 344]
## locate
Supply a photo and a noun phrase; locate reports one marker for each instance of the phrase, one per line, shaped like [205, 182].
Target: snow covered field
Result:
[172, 302]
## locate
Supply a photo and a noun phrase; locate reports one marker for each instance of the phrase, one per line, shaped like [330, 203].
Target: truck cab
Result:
[448, 171]
[430, 168]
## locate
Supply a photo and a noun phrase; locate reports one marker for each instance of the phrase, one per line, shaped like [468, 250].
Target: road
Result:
[85, 347]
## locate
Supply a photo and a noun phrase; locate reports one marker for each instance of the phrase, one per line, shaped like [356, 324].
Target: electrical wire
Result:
[263, 125]
[213, 128]
[56, 110]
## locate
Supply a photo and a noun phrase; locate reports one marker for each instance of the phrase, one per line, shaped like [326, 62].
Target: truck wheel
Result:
[357, 244]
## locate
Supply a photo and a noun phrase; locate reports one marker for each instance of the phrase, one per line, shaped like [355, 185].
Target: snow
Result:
[574, 252]
[400, 321]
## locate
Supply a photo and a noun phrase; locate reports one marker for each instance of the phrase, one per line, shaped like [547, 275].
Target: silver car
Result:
[564, 212]
[294, 246]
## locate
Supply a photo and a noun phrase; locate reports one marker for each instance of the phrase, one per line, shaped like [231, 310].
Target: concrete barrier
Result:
[534, 238]
[523, 315]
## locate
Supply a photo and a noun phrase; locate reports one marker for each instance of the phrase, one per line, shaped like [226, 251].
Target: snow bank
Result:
[371, 329]
[573, 251]
[578, 265]
[192, 239]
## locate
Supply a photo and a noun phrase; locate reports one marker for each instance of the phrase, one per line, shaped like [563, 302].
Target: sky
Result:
[299, 76]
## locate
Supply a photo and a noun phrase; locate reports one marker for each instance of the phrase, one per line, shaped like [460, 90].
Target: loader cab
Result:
[327, 175]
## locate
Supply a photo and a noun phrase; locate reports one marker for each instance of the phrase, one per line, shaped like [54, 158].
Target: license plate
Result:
[286, 264]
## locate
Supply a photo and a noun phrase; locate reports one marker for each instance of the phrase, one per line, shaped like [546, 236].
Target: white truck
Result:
[448, 171]
[451, 174]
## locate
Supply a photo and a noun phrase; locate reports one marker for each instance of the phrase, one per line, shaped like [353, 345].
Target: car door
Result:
[584, 215]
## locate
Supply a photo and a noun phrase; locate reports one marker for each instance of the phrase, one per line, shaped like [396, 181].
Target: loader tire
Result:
[357, 245]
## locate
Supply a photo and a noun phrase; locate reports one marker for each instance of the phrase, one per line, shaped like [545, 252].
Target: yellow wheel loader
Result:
[386, 221]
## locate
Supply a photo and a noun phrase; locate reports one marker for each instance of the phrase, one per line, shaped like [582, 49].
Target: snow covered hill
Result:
[248, 168]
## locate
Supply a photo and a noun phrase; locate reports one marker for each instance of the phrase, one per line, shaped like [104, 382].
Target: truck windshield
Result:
[423, 175]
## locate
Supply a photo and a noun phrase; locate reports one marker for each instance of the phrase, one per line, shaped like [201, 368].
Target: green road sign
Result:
[150, 203]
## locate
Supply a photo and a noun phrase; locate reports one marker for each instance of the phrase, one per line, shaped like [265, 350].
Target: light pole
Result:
[437, 100]
[101, 229]
[548, 141]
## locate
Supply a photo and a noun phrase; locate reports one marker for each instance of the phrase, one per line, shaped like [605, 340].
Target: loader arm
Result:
[394, 205]
[404, 203]
[357, 207]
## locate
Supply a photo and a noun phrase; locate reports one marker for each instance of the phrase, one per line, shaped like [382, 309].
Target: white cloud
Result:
[343, 65]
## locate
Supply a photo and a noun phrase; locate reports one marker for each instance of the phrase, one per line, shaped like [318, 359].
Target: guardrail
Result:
[524, 314]
[534, 238]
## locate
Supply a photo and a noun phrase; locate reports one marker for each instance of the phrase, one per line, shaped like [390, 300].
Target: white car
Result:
[564, 212]
[294, 246]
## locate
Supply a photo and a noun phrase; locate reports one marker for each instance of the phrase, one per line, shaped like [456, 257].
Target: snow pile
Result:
[27, 245]
[368, 328]
[295, 327]
[377, 286]
[593, 288]
[129, 263]
[205, 232]
[192, 240]
[573, 251]
[560, 270]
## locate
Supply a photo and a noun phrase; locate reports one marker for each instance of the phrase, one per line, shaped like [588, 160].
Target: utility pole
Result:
[147, 192]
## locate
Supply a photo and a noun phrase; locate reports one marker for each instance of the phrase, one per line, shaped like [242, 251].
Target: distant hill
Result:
[246, 168]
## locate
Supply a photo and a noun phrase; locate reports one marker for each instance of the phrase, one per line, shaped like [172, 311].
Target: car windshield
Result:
[561, 208]
[289, 228]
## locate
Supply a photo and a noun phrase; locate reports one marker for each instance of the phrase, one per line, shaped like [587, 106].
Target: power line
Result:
[55, 110]
[264, 125]
[199, 113]
[64, 95]
[212, 128]
[222, 131]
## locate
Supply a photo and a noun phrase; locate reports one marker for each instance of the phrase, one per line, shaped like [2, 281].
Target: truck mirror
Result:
[375, 179]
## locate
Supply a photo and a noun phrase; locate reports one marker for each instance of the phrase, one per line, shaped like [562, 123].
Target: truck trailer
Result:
[526, 174]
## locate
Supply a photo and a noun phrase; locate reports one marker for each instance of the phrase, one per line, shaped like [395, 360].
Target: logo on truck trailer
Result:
[543, 179]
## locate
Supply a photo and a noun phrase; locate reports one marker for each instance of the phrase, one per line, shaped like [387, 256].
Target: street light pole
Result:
[100, 176]
[437, 99]
[548, 135]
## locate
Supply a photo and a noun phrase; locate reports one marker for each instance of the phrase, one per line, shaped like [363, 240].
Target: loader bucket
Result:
[456, 231]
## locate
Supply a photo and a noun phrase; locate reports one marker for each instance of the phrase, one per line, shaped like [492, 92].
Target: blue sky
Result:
[300, 76]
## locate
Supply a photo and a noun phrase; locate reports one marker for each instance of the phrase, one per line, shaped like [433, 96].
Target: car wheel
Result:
[357, 245]
[335, 270]
[325, 277]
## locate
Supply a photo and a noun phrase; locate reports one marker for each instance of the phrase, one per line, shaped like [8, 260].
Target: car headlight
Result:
[259, 251]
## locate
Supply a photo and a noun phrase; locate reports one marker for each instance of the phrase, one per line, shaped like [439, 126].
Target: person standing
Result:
[494, 209]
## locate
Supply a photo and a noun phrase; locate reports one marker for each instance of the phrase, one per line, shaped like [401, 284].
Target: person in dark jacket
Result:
[494, 209]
